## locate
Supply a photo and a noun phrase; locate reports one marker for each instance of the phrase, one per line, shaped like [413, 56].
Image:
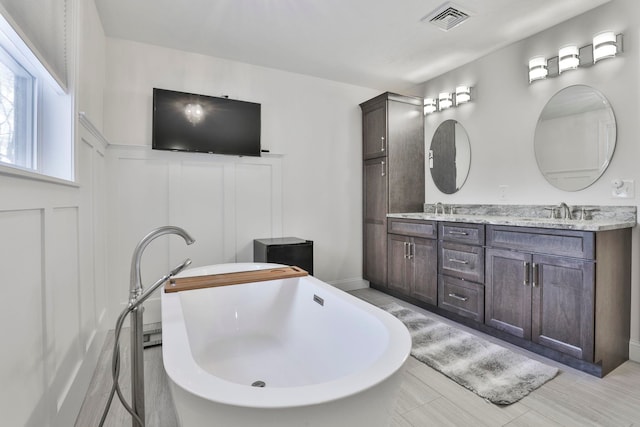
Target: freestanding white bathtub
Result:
[325, 357]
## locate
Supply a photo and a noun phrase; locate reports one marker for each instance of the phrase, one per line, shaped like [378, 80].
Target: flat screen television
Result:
[205, 124]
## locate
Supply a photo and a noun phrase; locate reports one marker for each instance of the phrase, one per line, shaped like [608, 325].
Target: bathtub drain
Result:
[258, 384]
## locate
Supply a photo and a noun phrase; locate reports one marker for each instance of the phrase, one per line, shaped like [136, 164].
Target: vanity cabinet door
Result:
[508, 292]
[413, 267]
[375, 221]
[398, 278]
[563, 305]
[424, 256]
[374, 135]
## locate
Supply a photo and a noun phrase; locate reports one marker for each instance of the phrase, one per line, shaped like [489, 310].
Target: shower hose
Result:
[115, 358]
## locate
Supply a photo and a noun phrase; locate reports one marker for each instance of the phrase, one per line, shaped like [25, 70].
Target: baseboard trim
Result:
[634, 350]
[350, 284]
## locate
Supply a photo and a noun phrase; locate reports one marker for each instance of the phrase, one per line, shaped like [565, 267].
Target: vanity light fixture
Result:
[606, 44]
[537, 68]
[569, 58]
[430, 105]
[463, 94]
[445, 100]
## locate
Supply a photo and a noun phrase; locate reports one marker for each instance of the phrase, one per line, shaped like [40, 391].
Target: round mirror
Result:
[449, 156]
[575, 138]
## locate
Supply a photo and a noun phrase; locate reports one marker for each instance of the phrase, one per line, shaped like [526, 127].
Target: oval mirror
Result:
[449, 156]
[575, 138]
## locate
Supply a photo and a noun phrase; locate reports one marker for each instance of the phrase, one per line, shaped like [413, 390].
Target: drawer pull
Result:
[458, 297]
[458, 261]
[458, 233]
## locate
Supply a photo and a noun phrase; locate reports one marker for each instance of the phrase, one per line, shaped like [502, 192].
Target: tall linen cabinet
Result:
[393, 172]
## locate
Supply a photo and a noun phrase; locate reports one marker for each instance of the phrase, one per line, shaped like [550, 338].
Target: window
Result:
[36, 112]
[16, 113]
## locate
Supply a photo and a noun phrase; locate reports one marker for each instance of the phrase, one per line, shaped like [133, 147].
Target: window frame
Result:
[52, 115]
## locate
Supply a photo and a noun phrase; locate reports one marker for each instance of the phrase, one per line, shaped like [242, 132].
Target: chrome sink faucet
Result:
[565, 211]
[439, 205]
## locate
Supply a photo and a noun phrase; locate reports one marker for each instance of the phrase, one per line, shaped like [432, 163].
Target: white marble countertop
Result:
[595, 224]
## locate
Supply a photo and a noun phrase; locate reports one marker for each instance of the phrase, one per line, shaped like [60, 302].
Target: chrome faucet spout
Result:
[135, 288]
[439, 205]
[566, 211]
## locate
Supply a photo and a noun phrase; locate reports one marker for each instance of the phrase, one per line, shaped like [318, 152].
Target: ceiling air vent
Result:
[446, 16]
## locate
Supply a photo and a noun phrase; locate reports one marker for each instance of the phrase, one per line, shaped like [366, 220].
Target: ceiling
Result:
[380, 44]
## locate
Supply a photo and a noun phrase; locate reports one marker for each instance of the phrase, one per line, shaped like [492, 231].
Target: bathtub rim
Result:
[187, 374]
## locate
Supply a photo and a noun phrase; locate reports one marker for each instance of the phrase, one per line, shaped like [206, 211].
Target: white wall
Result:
[312, 128]
[502, 118]
[53, 259]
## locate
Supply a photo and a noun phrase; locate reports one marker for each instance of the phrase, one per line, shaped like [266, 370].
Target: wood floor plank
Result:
[414, 393]
[493, 415]
[443, 413]
[532, 419]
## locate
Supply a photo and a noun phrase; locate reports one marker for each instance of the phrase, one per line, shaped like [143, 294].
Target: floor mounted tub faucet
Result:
[137, 335]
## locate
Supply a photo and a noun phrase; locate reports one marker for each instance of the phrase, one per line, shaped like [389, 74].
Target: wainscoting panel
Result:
[253, 207]
[22, 371]
[64, 295]
[197, 204]
[224, 202]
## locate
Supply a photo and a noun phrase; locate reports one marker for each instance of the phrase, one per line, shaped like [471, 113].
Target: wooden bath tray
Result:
[213, 280]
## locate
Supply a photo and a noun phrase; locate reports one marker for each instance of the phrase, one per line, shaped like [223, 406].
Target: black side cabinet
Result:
[285, 250]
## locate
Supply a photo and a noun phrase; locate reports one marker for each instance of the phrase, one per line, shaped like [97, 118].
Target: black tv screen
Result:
[206, 124]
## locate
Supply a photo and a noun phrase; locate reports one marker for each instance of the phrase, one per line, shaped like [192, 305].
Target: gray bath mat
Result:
[489, 370]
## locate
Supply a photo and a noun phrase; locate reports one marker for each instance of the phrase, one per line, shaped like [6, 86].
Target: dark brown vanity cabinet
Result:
[561, 289]
[412, 259]
[393, 172]
[461, 269]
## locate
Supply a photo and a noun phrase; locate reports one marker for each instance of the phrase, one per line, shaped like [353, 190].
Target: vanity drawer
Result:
[461, 297]
[463, 261]
[571, 243]
[416, 228]
[472, 234]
